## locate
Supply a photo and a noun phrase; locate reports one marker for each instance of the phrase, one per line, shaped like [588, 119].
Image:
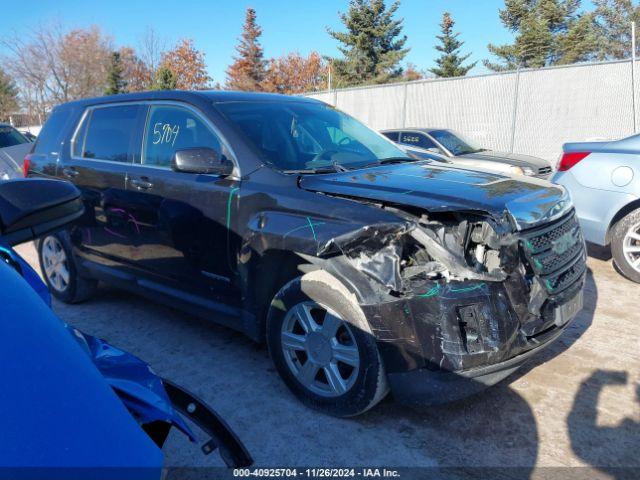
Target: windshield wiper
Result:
[388, 161]
[334, 167]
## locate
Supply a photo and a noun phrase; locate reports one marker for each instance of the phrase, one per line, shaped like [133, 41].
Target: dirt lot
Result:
[576, 404]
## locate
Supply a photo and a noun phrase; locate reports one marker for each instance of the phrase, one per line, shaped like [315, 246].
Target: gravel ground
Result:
[576, 404]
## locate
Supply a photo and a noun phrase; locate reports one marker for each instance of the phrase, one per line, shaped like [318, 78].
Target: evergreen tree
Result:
[450, 62]
[164, 79]
[8, 96]
[249, 68]
[372, 46]
[613, 23]
[115, 81]
[547, 32]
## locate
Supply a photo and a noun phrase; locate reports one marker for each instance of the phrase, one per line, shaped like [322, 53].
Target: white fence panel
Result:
[572, 104]
[532, 112]
[378, 107]
[480, 107]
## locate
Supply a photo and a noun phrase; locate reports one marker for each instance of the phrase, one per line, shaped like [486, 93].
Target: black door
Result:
[183, 240]
[101, 154]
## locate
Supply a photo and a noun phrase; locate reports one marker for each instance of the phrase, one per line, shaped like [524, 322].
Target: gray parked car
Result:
[604, 181]
[452, 144]
[13, 147]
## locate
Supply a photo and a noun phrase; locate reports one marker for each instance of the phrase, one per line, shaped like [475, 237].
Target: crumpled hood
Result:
[439, 188]
[510, 158]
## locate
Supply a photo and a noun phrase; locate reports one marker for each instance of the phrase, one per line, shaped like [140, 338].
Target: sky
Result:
[288, 25]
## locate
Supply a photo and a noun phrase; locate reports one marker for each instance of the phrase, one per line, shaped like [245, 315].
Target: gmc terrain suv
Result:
[363, 269]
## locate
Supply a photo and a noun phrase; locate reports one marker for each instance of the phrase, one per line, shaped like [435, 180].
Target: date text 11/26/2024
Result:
[317, 472]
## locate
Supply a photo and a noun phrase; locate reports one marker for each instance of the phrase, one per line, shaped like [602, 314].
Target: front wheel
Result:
[625, 245]
[323, 348]
[60, 271]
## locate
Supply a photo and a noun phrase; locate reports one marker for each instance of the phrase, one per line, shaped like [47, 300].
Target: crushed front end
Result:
[475, 297]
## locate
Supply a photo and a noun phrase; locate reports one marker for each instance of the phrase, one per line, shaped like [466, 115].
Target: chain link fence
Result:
[529, 111]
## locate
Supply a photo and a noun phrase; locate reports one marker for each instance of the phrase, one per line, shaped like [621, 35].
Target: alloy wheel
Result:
[320, 349]
[631, 247]
[55, 263]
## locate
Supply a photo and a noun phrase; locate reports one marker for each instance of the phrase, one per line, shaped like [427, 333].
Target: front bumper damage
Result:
[457, 339]
[451, 326]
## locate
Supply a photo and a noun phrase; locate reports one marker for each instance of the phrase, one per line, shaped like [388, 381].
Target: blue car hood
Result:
[441, 188]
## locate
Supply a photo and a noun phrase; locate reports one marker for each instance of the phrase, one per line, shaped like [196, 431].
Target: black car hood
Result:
[439, 188]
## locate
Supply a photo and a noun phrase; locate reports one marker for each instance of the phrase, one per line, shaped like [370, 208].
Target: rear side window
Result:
[171, 128]
[107, 133]
[50, 137]
[417, 140]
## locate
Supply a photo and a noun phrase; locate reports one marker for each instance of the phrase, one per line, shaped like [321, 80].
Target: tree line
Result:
[51, 65]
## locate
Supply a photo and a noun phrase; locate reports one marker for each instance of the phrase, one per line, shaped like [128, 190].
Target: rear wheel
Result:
[625, 245]
[323, 348]
[60, 272]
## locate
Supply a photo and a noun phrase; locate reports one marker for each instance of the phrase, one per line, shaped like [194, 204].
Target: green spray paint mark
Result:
[467, 289]
[548, 284]
[230, 263]
[313, 230]
[231, 193]
[317, 224]
[529, 245]
[434, 291]
[537, 262]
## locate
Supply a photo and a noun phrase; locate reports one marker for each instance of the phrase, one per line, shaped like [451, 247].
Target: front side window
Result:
[454, 142]
[170, 128]
[307, 136]
[107, 133]
[393, 136]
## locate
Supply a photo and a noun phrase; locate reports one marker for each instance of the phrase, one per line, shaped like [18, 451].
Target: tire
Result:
[349, 374]
[67, 287]
[625, 245]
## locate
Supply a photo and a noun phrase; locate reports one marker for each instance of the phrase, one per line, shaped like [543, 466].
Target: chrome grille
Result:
[556, 253]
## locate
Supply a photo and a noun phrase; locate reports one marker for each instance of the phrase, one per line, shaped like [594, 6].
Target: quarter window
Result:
[109, 133]
[171, 128]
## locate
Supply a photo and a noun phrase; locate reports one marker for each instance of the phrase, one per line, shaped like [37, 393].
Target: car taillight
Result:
[26, 163]
[569, 159]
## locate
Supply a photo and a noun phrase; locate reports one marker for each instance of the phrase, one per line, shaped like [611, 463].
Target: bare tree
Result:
[51, 66]
[152, 48]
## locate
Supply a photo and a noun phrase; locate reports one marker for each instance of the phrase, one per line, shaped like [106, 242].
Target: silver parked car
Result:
[604, 181]
[466, 163]
[452, 144]
[14, 145]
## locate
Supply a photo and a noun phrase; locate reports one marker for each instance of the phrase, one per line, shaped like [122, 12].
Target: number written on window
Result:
[165, 133]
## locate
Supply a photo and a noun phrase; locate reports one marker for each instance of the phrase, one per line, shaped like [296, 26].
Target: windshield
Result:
[454, 142]
[295, 136]
[9, 137]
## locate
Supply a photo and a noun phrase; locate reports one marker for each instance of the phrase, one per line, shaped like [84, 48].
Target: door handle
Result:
[70, 172]
[141, 183]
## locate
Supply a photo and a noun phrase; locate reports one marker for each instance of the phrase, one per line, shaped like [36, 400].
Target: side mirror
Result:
[435, 150]
[201, 160]
[30, 208]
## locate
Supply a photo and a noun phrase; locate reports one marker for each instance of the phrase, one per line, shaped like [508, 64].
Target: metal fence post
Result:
[515, 111]
[404, 106]
[633, 74]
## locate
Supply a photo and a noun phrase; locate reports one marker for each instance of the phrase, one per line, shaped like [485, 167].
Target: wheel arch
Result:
[620, 214]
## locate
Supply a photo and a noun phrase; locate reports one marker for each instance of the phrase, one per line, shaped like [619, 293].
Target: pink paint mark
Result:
[113, 233]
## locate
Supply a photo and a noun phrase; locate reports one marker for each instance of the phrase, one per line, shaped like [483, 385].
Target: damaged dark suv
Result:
[365, 270]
